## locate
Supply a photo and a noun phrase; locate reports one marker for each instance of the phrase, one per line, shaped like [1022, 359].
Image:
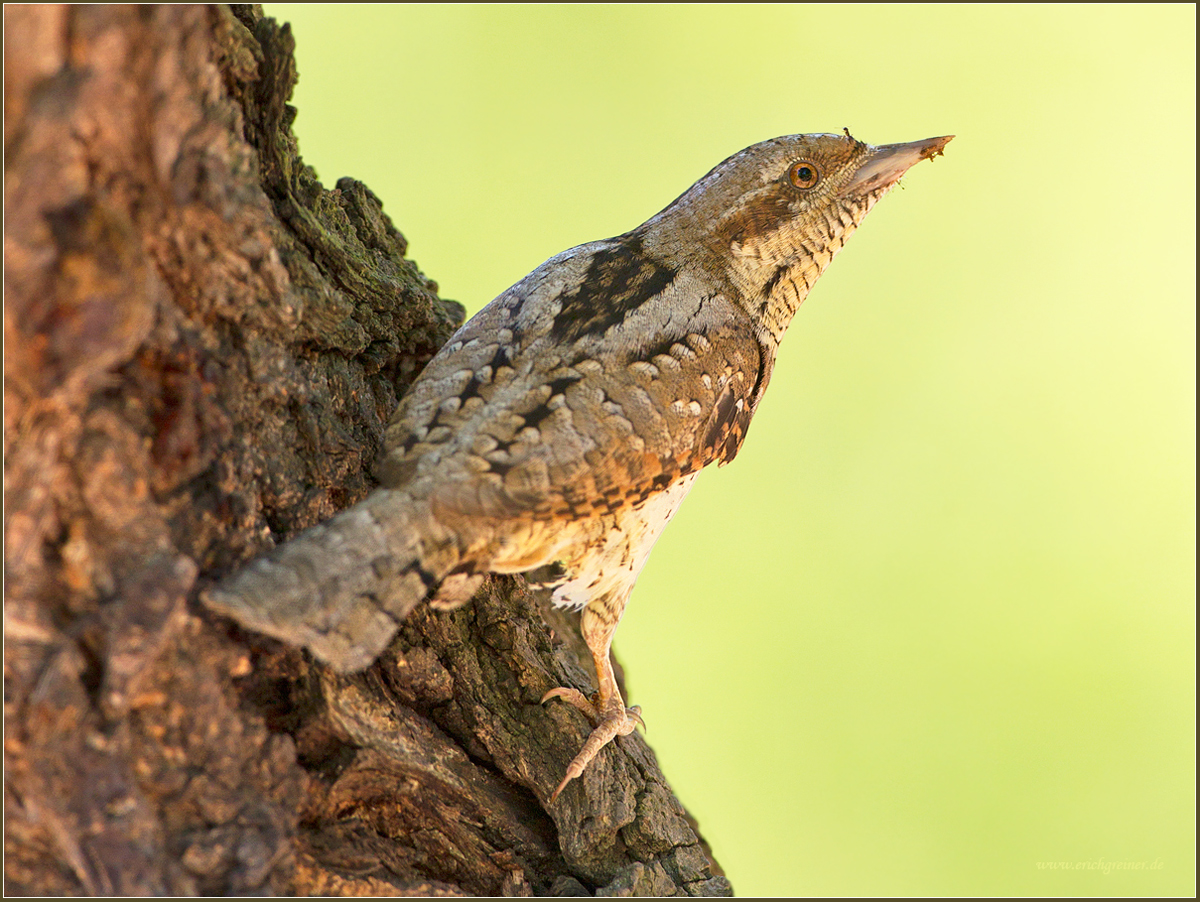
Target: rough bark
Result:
[203, 345]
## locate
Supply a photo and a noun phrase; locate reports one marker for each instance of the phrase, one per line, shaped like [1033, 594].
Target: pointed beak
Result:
[884, 165]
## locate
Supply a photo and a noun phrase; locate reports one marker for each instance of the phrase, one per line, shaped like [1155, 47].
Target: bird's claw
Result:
[610, 719]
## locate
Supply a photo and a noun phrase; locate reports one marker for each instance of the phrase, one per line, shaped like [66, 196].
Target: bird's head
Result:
[771, 218]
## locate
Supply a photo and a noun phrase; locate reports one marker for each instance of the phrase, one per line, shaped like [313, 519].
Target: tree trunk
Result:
[203, 345]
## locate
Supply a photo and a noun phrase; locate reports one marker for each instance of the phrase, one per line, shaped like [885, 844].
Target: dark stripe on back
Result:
[619, 280]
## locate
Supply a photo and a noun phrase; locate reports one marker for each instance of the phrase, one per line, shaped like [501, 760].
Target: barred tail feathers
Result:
[341, 588]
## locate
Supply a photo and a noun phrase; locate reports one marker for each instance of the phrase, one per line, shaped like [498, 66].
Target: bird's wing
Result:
[656, 380]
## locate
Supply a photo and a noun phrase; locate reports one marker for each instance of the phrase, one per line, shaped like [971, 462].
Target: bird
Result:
[560, 428]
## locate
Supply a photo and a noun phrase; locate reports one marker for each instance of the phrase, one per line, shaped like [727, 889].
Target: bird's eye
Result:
[804, 174]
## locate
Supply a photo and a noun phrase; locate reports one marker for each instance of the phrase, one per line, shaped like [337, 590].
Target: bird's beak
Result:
[884, 165]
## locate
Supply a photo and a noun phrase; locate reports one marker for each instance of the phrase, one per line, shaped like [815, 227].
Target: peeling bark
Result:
[202, 347]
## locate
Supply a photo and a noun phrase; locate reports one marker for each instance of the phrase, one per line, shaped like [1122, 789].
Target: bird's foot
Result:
[610, 719]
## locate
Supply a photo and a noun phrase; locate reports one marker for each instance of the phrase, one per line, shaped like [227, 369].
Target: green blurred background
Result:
[934, 628]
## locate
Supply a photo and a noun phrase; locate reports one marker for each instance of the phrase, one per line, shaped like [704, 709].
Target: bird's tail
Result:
[341, 588]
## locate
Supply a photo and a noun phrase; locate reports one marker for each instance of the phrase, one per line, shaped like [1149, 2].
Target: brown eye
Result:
[804, 174]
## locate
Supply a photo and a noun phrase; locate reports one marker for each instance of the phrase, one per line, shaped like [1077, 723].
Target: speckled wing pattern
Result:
[552, 405]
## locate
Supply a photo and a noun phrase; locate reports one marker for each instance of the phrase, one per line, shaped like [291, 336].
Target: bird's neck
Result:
[773, 279]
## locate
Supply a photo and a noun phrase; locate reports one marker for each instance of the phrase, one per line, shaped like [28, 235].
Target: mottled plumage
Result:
[561, 427]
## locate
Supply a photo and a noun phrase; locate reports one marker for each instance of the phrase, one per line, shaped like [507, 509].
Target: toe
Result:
[575, 699]
[617, 721]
